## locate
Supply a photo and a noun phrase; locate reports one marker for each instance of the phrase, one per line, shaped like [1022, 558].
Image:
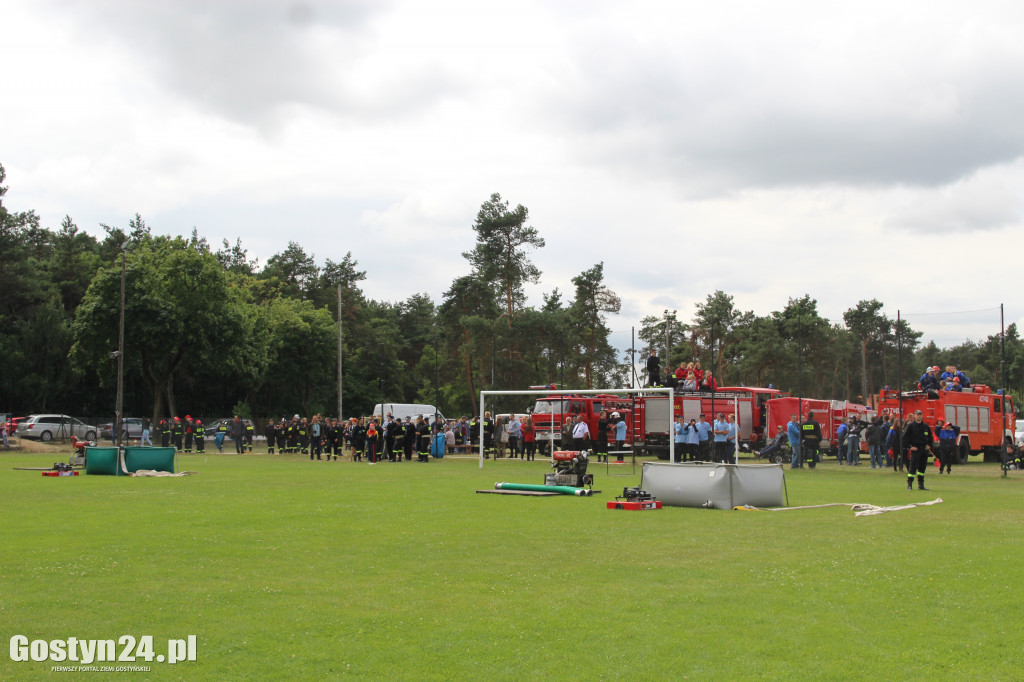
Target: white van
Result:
[402, 410]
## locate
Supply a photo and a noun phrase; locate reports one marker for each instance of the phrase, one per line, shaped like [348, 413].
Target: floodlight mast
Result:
[120, 354]
[599, 391]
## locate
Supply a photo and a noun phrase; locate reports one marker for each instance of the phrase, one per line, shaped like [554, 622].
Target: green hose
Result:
[561, 489]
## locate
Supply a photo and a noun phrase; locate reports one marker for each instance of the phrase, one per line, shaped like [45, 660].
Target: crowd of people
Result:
[686, 377]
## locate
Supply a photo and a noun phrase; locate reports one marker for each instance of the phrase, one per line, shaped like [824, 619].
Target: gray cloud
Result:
[725, 112]
[251, 61]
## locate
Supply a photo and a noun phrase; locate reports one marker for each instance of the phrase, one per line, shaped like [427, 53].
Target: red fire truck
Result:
[551, 412]
[648, 416]
[986, 419]
[759, 437]
[829, 413]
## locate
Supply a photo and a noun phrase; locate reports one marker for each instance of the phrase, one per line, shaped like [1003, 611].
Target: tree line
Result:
[211, 332]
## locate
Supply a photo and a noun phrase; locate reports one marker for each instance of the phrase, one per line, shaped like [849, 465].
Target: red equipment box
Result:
[642, 504]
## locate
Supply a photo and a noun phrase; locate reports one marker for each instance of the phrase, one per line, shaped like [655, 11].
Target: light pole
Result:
[120, 352]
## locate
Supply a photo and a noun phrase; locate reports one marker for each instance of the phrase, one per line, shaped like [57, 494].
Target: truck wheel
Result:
[963, 452]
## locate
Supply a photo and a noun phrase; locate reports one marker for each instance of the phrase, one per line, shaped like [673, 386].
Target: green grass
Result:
[290, 569]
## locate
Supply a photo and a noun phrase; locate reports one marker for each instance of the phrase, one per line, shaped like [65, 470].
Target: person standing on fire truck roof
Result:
[653, 369]
[918, 437]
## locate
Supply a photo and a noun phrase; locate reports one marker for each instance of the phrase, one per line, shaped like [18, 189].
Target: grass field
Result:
[289, 569]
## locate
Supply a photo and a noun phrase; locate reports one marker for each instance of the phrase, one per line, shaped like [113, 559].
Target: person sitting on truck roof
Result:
[709, 383]
[930, 380]
[690, 382]
[953, 373]
[698, 372]
[954, 385]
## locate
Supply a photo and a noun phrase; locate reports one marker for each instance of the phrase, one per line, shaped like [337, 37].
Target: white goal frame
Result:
[670, 392]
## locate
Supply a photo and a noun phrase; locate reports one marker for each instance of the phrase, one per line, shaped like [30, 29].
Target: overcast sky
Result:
[845, 150]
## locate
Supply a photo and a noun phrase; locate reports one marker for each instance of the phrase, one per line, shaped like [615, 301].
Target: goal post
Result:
[670, 392]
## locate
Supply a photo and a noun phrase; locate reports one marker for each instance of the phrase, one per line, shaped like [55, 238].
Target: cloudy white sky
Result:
[845, 150]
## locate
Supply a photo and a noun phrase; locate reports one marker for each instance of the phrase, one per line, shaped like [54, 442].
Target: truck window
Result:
[576, 407]
[997, 404]
[549, 406]
[598, 406]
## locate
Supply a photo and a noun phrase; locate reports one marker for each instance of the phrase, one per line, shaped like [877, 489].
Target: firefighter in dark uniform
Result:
[165, 433]
[303, 432]
[177, 433]
[409, 440]
[422, 440]
[334, 438]
[399, 444]
[488, 429]
[281, 435]
[918, 438]
[292, 434]
[390, 428]
[250, 431]
[198, 435]
[358, 437]
[188, 432]
[810, 440]
[474, 432]
[268, 433]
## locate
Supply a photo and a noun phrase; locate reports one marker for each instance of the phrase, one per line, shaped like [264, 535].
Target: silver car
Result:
[47, 427]
[133, 425]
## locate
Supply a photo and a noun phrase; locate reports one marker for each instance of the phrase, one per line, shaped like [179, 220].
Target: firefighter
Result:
[409, 439]
[302, 436]
[188, 432]
[389, 429]
[281, 436]
[372, 441]
[268, 433]
[165, 433]
[474, 432]
[250, 431]
[357, 436]
[292, 434]
[222, 433]
[398, 446]
[422, 440]
[198, 434]
[918, 439]
[177, 433]
[487, 426]
[810, 439]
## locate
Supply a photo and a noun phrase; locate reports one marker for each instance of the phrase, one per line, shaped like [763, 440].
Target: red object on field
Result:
[564, 455]
[56, 474]
[633, 506]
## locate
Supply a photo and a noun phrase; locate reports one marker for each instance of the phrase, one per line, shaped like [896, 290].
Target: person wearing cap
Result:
[953, 385]
[918, 439]
[930, 380]
[947, 446]
[165, 433]
[620, 436]
[188, 432]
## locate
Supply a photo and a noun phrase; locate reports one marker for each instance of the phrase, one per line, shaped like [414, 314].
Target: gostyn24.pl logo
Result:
[126, 649]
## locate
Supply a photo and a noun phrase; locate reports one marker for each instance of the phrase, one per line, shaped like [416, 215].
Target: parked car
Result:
[134, 428]
[46, 427]
[1019, 435]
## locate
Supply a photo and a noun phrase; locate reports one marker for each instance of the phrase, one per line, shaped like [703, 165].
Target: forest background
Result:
[210, 332]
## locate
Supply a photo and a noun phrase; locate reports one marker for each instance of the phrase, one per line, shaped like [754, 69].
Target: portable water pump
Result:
[570, 469]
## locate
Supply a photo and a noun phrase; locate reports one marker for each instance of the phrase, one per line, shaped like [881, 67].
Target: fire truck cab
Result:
[551, 412]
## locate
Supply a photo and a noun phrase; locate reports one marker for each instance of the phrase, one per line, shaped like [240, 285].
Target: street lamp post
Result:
[120, 352]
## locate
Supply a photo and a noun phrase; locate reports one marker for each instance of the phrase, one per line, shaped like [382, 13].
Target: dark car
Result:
[47, 427]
